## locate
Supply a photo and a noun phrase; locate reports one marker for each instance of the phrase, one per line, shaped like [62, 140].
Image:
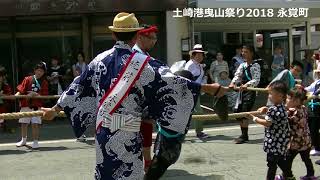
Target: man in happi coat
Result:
[114, 90]
[146, 40]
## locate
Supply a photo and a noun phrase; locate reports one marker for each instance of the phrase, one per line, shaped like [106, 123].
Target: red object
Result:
[26, 86]
[149, 30]
[147, 164]
[317, 56]
[146, 131]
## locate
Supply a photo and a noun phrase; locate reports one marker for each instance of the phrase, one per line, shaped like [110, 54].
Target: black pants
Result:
[167, 152]
[246, 103]
[273, 162]
[221, 108]
[314, 126]
[305, 156]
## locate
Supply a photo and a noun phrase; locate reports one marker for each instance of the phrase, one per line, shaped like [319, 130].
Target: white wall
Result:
[177, 29]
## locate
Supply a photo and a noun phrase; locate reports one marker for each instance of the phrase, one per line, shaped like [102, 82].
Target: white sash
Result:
[110, 102]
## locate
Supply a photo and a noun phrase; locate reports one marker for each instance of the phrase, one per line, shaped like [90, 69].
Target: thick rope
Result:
[264, 90]
[30, 97]
[253, 89]
[17, 115]
[211, 117]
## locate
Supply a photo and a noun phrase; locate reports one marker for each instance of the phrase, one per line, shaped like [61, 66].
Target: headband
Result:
[148, 30]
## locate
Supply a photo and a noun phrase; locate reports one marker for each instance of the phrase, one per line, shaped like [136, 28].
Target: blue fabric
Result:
[169, 99]
[312, 104]
[110, 156]
[308, 68]
[292, 82]
[36, 81]
[246, 73]
[166, 134]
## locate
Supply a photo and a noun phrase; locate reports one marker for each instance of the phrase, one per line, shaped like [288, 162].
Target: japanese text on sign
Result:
[241, 12]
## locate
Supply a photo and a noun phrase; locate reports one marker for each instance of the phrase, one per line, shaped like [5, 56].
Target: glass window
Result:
[101, 44]
[296, 48]
[6, 51]
[233, 38]
[41, 24]
[247, 38]
[41, 38]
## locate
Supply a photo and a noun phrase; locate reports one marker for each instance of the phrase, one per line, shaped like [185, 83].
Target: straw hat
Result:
[197, 48]
[125, 22]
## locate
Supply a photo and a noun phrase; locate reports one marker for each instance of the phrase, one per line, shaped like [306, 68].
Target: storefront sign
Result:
[45, 7]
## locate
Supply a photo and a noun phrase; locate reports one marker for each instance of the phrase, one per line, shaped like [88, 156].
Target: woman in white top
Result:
[196, 68]
[80, 66]
[218, 66]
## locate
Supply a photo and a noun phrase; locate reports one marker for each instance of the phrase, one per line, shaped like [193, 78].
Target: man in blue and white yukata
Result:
[146, 40]
[113, 91]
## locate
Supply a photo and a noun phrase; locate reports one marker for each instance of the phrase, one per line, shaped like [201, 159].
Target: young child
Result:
[33, 86]
[300, 141]
[5, 89]
[277, 132]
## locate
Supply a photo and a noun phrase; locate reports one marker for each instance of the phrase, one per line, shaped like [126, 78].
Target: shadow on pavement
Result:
[9, 152]
[194, 160]
[219, 137]
[256, 141]
[210, 139]
[59, 148]
[88, 142]
[28, 149]
[177, 174]
[48, 131]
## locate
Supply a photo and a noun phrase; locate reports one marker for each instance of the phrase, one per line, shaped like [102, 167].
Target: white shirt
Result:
[311, 88]
[196, 70]
[255, 72]
[138, 49]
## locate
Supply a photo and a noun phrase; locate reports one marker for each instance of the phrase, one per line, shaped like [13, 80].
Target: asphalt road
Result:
[218, 158]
